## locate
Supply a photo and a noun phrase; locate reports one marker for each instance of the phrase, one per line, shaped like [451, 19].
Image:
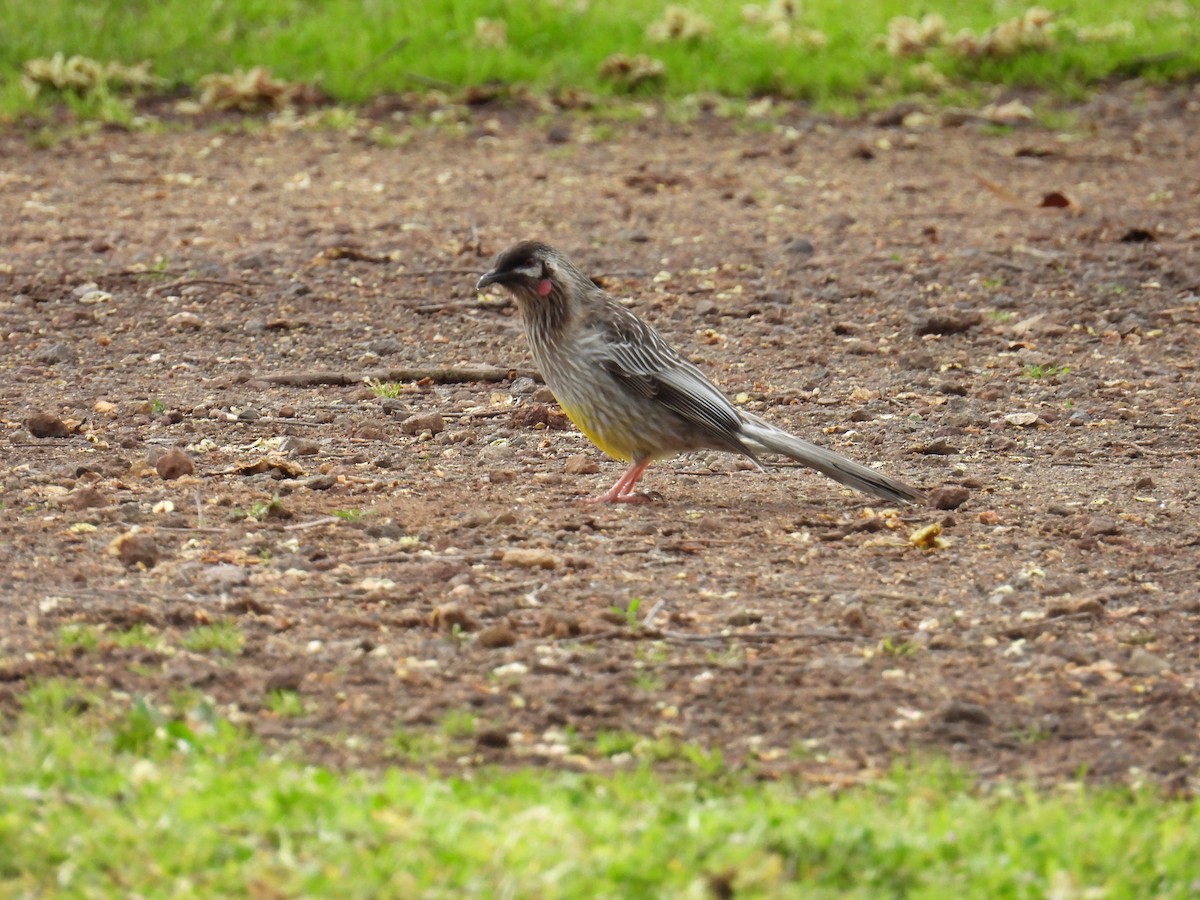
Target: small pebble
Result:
[947, 322]
[85, 498]
[1090, 605]
[530, 415]
[1143, 662]
[134, 548]
[385, 346]
[496, 636]
[950, 496]
[853, 616]
[221, 577]
[185, 321]
[799, 247]
[492, 739]
[1101, 525]
[55, 354]
[47, 425]
[496, 453]
[298, 446]
[558, 625]
[963, 711]
[174, 464]
[287, 680]
[1022, 419]
[939, 447]
[581, 464]
[529, 558]
[744, 618]
[449, 615]
[431, 422]
[371, 433]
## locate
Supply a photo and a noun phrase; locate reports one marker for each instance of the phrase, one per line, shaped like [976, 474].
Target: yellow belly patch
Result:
[604, 442]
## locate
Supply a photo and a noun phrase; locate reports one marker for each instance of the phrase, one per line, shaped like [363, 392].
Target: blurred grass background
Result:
[834, 54]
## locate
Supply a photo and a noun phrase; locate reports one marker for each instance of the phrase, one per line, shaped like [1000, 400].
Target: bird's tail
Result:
[761, 435]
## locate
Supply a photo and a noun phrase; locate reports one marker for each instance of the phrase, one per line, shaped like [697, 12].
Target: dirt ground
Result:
[417, 568]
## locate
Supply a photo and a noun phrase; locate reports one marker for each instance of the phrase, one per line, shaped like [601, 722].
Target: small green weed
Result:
[265, 509]
[78, 635]
[1031, 734]
[630, 613]
[416, 746]
[610, 743]
[286, 704]
[891, 647]
[1039, 370]
[458, 724]
[386, 390]
[222, 637]
[648, 682]
[139, 635]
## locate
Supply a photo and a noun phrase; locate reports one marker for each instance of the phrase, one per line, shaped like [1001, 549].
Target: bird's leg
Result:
[620, 492]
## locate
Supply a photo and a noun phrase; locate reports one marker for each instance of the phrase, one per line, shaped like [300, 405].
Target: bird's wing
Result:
[636, 354]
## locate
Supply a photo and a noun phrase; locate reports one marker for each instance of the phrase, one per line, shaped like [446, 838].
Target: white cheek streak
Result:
[530, 271]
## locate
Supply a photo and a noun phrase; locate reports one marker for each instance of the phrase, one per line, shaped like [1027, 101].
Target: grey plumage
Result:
[631, 392]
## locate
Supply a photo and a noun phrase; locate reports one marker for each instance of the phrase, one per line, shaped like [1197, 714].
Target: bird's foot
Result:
[614, 497]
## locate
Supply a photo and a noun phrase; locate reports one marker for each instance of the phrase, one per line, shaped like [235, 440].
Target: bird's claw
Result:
[634, 497]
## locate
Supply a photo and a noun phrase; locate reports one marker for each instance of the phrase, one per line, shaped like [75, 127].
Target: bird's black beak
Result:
[490, 277]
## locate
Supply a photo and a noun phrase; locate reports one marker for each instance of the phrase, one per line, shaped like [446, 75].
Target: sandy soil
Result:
[186, 320]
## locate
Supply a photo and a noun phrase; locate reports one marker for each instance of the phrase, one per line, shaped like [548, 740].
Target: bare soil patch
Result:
[901, 296]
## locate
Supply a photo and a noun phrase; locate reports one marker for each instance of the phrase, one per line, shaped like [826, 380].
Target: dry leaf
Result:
[267, 463]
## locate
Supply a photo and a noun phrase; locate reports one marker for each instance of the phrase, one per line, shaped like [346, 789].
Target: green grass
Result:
[74, 634]
[385, 389]
[222, 637]
[1044, 370]
[285, 704]
[104, 797]
[90, 637]
[356, 49]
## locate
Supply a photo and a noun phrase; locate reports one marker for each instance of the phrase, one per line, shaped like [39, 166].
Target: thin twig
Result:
[275, 420]
[1032, 628]
[409, 556]
[438, 374]
[648, 622]
[425, 81]
[422, 273]
[216, 282]
[315, 523]
[382, 57]
[611, 634]
[764, 637]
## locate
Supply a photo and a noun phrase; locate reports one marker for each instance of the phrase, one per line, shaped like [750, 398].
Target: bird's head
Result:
[528, 270]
